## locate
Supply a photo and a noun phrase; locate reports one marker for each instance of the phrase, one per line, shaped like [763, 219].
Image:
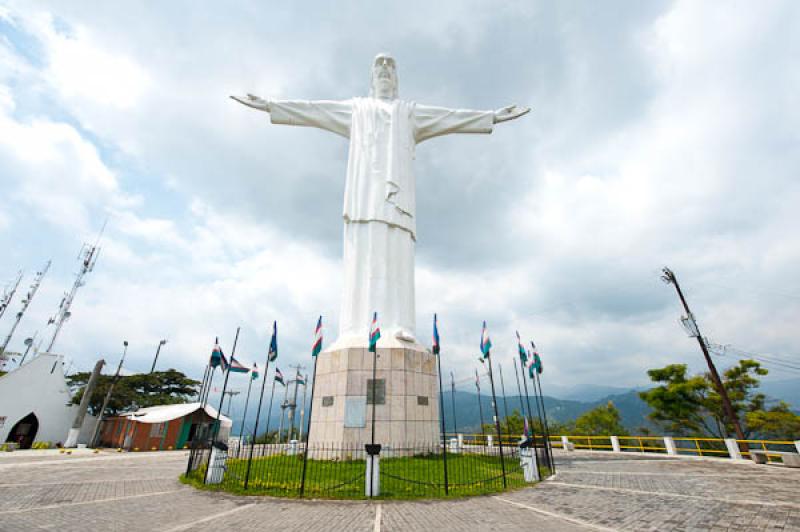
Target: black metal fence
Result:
[339, 471]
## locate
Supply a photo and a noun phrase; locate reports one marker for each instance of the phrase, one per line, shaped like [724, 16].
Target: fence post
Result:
[489, 440]
[460, 441]
[669, 443]
[565, 443]
[733, 449]
[372, 480]
[615, 444]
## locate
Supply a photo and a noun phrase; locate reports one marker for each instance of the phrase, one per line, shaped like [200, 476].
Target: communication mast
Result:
[88, 257]
[25, 302]
[8, 293]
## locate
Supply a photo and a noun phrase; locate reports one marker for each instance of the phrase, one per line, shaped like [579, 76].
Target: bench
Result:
[789, 459]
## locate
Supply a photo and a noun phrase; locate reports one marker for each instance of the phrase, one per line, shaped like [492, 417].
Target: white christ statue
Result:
[379, 196]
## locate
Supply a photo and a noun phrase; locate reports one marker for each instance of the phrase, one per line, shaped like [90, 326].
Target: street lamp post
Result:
[158, 350]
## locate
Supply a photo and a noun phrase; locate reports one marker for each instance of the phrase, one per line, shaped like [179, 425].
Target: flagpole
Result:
[437, 354]
[480, 406]
[453, 398]
[206, 383]
[244, 416]
[283, 410]
[303, 410]
[202, 388]
[503, 390]
[530, 411]
[546, 428]
[269, 410]
[224, 387]
[308, 432]
[258, 417]
[497, 420]
[519, 389]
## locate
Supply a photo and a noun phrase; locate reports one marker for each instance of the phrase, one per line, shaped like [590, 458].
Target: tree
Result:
[135, 391]
[601, 421]
[776, 423]
[690, 405]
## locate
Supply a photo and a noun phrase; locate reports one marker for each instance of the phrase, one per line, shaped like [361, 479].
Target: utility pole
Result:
[155, 359]
[25, 302]
[8, 293]
[691, 327]
[102, 412]
[303, 408]
[292, 406]
[72, 437]
[88, 257]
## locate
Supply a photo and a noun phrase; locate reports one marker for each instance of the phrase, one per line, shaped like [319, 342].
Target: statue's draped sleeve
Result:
[432, 121]
[331, 115]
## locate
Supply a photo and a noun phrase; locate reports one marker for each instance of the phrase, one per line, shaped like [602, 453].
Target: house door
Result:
[24, 432]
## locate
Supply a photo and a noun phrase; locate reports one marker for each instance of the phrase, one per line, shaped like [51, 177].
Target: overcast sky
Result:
[662, 133]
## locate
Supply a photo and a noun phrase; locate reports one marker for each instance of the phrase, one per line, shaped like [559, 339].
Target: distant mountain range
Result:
[577, 401]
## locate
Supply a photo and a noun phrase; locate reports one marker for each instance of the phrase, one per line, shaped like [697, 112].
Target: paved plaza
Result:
[592, 491]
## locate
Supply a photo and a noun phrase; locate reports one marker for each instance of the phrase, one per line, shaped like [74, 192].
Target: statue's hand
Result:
[510, 113]
[253, 101]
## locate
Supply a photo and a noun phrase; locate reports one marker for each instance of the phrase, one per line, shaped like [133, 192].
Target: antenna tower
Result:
[88, 257]
[8, 293]
[25, 302]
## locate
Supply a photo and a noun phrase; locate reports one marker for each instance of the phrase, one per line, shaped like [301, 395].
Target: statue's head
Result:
[384, 84]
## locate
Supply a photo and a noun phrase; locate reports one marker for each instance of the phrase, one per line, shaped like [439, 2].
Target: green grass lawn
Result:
[410, 477]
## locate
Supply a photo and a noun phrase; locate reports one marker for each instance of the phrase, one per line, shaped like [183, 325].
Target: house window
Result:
[422, 400]
[327, 400]
[380, 391]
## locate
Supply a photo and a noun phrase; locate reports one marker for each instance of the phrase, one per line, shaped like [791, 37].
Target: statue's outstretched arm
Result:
[510, 113]
[253, 101]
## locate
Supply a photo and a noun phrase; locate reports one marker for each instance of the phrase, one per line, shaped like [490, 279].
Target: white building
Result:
[35, 404]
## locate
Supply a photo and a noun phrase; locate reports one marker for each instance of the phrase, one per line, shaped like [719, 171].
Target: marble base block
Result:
[407, 413]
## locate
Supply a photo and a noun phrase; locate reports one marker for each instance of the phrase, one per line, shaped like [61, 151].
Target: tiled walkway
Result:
[592, 491]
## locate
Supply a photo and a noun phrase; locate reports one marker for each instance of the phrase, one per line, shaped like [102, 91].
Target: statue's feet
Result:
[405, 336]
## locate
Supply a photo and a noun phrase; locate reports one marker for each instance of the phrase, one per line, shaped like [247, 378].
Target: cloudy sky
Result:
[662, 133]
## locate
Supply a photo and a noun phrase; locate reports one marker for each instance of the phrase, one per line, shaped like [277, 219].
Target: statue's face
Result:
[384, 77]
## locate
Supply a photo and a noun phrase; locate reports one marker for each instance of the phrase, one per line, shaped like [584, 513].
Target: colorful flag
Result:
[273, 343]
[538, 362]
[300, 380]
[317, 347]
[486, 342]
[254, 372]
[279, 376]
[435, 336]
[237, 367]
[374, 334]
[523, 355]
[216, 356]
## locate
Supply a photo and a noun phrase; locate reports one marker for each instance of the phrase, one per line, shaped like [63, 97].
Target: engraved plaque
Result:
[355, 411]
[422, 400]
[327, 400]
[380, 391]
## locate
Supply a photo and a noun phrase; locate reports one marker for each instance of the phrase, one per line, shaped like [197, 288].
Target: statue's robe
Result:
[379, 199]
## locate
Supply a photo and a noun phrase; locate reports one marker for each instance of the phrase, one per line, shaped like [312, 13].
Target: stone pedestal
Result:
[407, 413]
